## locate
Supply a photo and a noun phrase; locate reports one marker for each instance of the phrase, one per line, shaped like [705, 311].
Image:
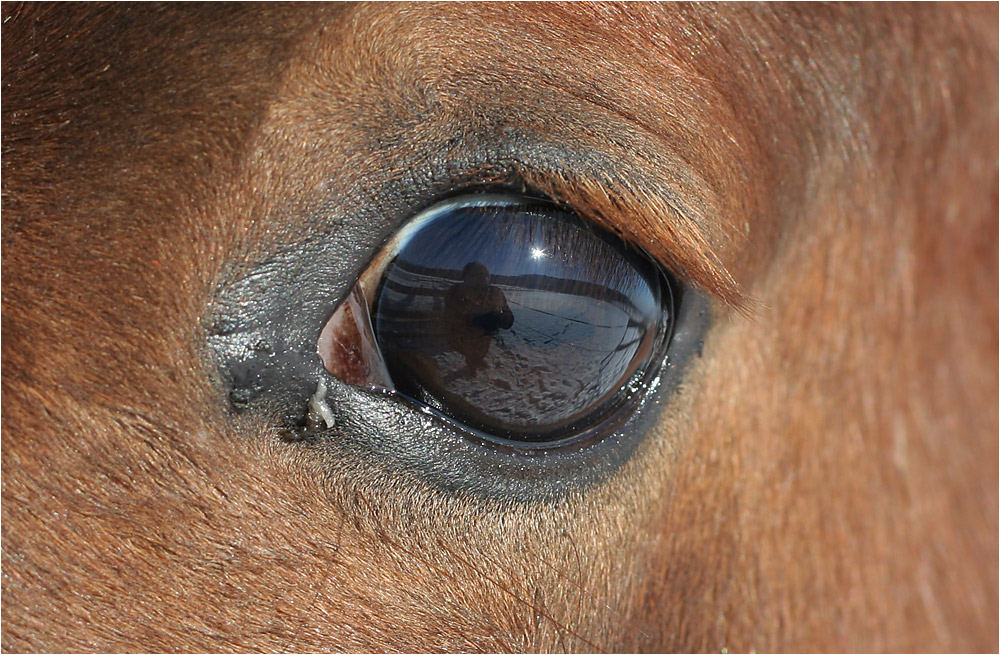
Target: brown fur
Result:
[826, 478]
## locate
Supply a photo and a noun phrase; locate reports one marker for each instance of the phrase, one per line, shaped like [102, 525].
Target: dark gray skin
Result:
[264, 336]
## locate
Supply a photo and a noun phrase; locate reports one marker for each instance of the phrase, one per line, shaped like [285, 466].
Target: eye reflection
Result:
[474, 312]
[515, 318]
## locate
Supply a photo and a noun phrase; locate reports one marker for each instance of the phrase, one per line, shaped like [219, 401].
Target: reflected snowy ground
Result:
[564, 353]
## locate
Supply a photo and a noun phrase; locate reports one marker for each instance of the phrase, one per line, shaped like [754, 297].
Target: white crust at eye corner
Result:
[319, 407]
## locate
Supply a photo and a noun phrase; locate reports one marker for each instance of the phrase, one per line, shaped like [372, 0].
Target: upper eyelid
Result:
[644, 182]
[643, 187]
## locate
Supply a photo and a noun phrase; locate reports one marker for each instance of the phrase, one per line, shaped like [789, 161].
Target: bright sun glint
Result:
[537, 253]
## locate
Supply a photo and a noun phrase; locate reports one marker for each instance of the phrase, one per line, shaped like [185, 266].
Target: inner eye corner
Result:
[508, 316]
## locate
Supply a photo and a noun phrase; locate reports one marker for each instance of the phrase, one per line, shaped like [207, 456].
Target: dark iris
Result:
[512, 316]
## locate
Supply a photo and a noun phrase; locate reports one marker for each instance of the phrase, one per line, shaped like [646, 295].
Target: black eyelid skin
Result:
[264, 338]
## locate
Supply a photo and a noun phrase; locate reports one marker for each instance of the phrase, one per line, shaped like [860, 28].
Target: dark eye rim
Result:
[611, 414]
[261, 331]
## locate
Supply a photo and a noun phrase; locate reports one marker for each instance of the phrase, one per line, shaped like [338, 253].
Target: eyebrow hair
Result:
[647, 217]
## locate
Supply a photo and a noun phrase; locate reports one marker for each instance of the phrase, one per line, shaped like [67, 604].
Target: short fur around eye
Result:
[824, 477]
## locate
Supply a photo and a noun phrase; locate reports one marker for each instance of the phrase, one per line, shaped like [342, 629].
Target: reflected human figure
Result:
[474, 310]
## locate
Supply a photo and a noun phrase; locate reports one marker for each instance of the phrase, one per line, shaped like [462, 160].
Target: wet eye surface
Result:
[509, 316]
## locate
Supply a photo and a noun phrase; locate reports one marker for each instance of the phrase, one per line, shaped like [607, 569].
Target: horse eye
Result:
[508, 316]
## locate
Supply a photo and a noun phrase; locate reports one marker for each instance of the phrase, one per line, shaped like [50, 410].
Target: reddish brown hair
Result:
[824, 479]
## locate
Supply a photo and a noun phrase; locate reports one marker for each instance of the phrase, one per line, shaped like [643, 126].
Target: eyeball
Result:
[508, 316]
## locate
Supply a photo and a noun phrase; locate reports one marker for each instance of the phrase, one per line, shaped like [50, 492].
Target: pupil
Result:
[515, 318]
